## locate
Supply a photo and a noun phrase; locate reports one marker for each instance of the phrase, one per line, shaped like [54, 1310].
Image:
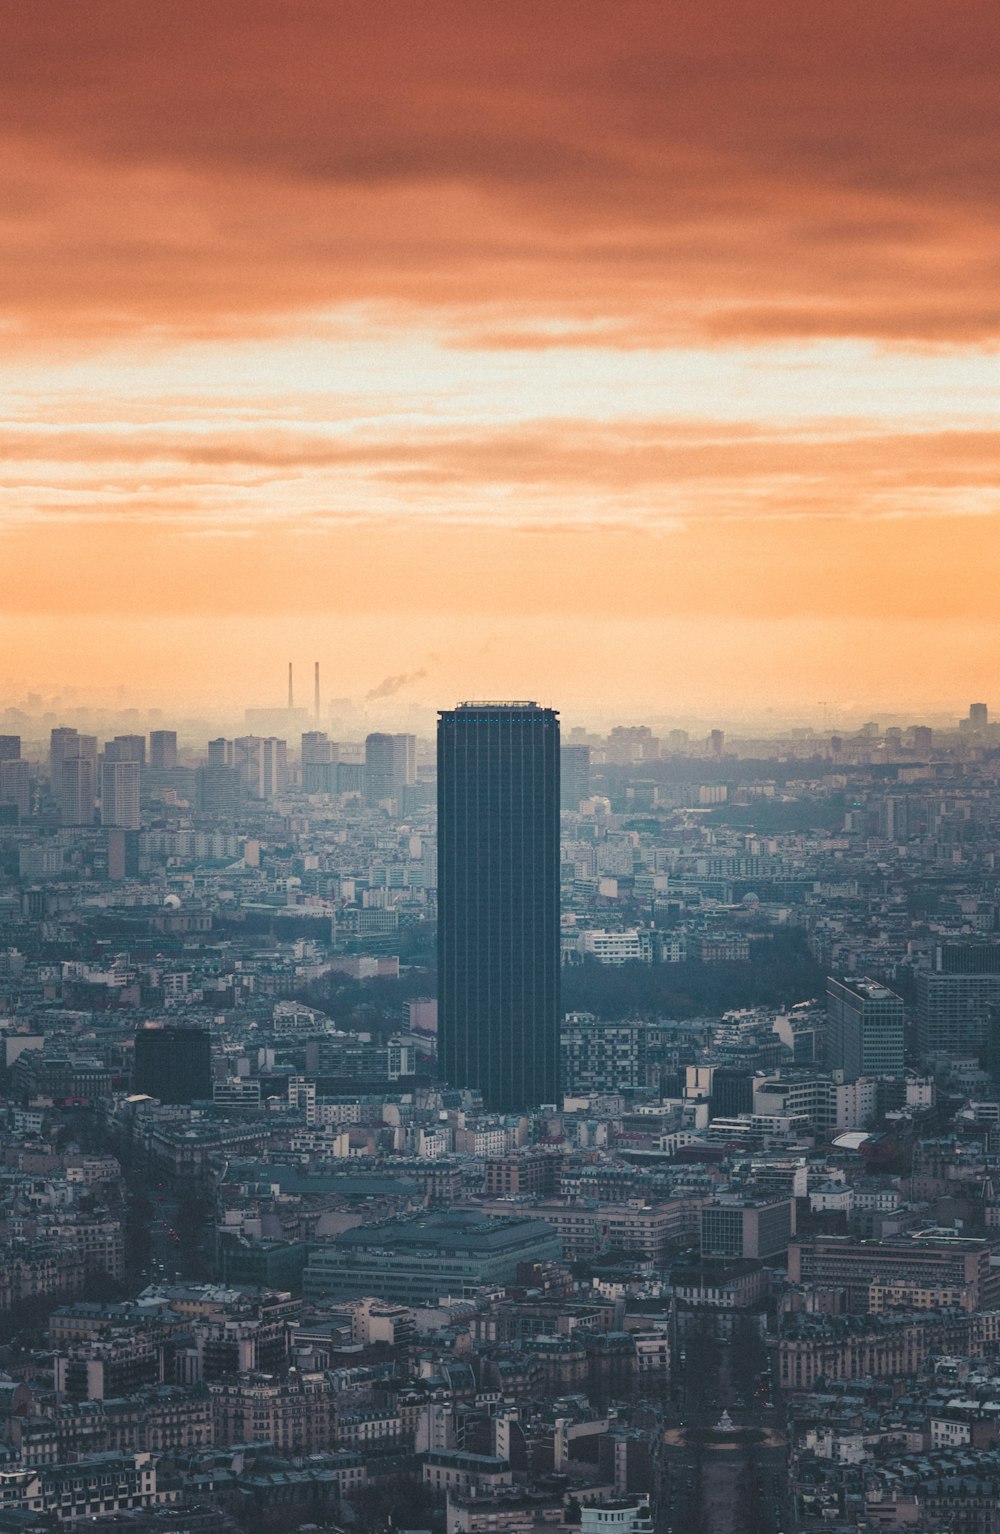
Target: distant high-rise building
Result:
[275, 767]
[15, 784]
[77, 791]
[65, 742]
[979, 717]
[350, 777]
[173, 1063]
[126, 748]
[390, 764]
[955, 997]
[717, 742]
[261, 762]
[864, 1028]
[574, 780]
[632, 743]
[319, 754]
[221, 753]
[58, 741]
[163, 750]
[248, 759]
[219, 791]
[923, 739]
[73, 786]
[120, 793]
[498, 902]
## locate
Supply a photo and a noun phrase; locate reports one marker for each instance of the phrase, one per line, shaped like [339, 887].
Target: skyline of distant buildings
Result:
[382, 709]
[383, 765]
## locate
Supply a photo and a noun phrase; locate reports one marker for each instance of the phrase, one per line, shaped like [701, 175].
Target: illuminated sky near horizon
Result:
[633, 356]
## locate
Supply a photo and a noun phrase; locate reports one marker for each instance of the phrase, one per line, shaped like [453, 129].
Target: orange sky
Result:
[638, 356]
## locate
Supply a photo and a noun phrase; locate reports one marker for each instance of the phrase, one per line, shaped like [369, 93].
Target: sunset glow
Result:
[629, 356]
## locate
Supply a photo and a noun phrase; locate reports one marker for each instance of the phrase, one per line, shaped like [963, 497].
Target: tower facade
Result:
[15, 784]
[498, 902]
[864, 1028]
[126, 748]
[954, 998]
[163, 750]
[318, 755]
[73, 787]
[120, 793]
[575, 781]
[76, 791]
[390, 764]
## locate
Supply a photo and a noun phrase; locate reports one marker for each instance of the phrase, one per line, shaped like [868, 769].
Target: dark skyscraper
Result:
[498, 902]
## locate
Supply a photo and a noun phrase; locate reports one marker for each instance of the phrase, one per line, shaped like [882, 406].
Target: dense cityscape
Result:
[527, 1128]
[499, 767]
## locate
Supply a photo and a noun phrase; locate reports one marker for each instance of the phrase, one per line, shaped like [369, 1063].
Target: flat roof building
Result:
[425, 1257]
[173, 1064]
[915, 1261]
[745, 1227]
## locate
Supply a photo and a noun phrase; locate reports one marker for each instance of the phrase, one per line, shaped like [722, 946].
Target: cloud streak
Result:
[630, 471]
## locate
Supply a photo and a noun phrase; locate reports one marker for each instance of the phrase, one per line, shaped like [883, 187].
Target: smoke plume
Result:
[390, 685]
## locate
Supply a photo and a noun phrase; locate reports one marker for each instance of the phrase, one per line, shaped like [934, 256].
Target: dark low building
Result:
[173, 1064]
[421, 1259]
[263, 1264]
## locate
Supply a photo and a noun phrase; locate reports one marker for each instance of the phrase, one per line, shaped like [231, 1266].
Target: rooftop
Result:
[455, 1231]
[868, 990]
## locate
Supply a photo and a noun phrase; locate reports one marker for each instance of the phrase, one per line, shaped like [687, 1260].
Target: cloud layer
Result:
[664, 334]
[702, 171]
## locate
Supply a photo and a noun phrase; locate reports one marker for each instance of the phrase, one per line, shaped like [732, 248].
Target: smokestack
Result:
[290, 703]
[316, 701]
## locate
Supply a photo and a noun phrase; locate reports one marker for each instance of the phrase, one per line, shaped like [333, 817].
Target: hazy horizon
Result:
[353, 717]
